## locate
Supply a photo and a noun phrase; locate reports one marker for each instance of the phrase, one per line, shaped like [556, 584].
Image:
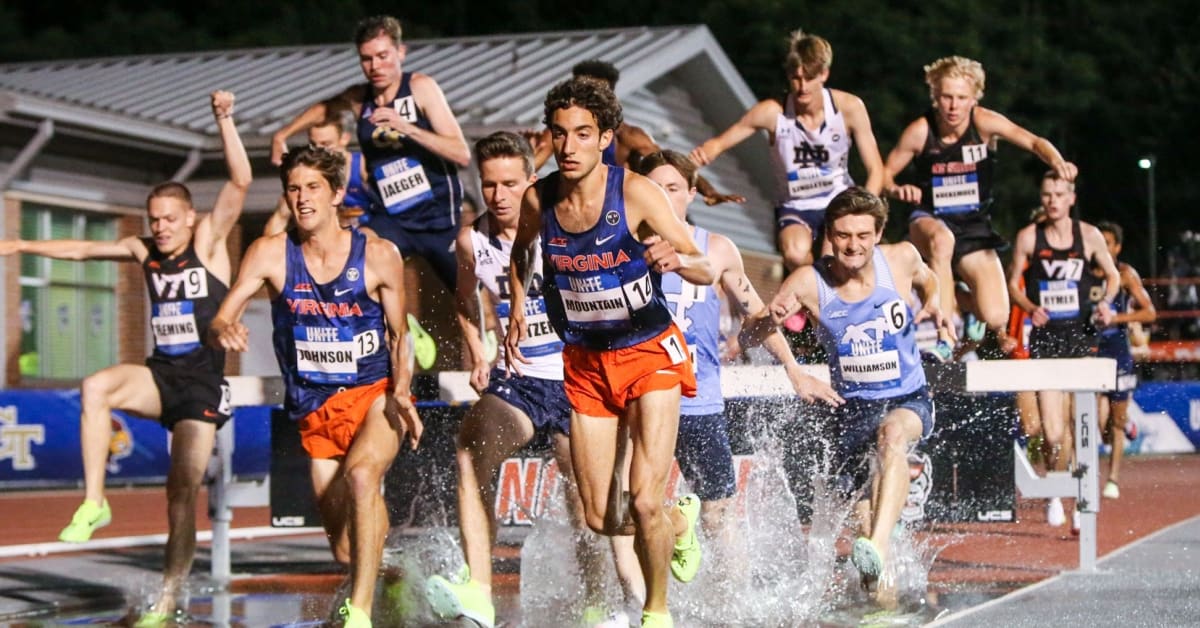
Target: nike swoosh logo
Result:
[601, 241]
[338, 293]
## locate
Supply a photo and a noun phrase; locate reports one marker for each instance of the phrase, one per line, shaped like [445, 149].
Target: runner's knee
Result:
[941, 245]
[363, 479]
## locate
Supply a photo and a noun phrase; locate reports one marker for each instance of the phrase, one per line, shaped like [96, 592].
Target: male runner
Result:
[412, 144]
[182, 385]
[861, 299]
[1052, 257]
[953, 146]
[607, 237]
[1132, 305]
[334, 133]
[702, 447]
[810, 130]
[337, 304]
[512, 410]
[630, 142]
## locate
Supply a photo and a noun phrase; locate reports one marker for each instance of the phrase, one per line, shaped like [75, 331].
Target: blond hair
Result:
[811, 52]
[955, 67]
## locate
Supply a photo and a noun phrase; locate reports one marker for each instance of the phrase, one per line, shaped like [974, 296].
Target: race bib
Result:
[1060, 299]
[972, 153]
[403, 184]
[174, 326]
[955, 194]
[675, 351]
[608, 305]
[329, 355]
[810, 182]
[871, 368]
[407, 108]
[540, 337]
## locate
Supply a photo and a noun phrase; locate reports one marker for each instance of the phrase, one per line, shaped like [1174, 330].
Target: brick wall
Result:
[12, 292]
[131, 311]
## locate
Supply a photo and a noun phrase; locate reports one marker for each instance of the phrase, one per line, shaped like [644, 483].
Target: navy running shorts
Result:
[704, 456]
[435, 247]
[1127, 378]
[856, 424]
[814, 218]
[544, 401]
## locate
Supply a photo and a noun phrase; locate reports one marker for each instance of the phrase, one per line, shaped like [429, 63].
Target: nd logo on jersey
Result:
[810, 154]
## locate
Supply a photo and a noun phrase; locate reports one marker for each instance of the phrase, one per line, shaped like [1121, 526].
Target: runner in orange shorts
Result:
[337, 304]
[607, 235]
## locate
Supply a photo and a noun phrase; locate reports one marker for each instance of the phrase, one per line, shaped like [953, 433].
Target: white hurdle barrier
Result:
[224, 492]
[1082, 378]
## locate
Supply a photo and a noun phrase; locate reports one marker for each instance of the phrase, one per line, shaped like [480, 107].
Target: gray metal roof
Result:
[676, 82]
[490, 82]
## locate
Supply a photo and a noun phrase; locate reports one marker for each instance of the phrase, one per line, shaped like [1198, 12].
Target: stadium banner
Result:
[39, 443]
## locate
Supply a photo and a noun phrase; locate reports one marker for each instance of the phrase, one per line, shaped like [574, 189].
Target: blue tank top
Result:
[418, 189]
[599, 292]
[360, 194]
[1114, 340]
[327, 336]
[872, 344]
[697, 312]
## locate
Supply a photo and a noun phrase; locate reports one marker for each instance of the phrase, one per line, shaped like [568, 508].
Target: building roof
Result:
[676, 82]
[492, 81]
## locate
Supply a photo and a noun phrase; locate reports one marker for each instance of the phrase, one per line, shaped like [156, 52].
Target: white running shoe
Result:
[1112, 491]
[1055, 516]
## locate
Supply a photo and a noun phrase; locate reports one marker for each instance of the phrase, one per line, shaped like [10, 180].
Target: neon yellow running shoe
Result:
[424, 347]
[685, 559]
[353, 617]
[88, 518]
[151, 619]
[657, 620]
[866, 557]
[462, 597]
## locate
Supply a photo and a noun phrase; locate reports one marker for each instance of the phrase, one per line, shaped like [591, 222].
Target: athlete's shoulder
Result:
[423, 82]
[902, 252]
[772, 107]
[380, 248]
[846, 102]
[722, 250]
[990, 120]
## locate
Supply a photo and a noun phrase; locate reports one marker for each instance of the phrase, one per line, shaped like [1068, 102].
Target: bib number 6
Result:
[896, 315]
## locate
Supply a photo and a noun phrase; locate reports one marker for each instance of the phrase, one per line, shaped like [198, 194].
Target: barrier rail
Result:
[1080, 377]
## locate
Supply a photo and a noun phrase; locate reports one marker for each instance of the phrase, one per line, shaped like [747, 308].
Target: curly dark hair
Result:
[331, 164]
[597, 69]
[588, 93]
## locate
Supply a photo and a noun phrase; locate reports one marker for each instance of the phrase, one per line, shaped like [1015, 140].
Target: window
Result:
[67, 308]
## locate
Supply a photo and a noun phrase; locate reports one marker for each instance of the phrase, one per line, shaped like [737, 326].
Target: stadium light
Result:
[1147, 163]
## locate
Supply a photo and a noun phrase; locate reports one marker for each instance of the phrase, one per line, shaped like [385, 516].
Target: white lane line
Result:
[56, 547]
[966, 612]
